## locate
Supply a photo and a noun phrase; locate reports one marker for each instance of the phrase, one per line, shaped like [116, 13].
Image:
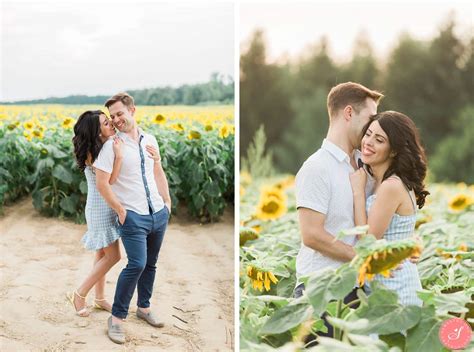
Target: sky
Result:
[292, 28]
[83, 47]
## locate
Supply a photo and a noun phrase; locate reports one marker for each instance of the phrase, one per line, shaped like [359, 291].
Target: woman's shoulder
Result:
[392, 186]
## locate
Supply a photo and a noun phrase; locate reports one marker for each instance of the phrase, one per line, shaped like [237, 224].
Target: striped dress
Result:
[406, 281]
[100, 218]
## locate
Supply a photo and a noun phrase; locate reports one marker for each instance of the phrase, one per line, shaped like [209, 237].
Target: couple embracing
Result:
[370, 170]
[128, 197]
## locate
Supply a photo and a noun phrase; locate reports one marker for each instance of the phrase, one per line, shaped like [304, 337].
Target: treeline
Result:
[430, 81]
[219, 90]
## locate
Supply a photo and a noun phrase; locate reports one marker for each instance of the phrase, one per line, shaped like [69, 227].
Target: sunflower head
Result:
[37, 134]
[247, 234]
[272, 191]
[460, 202]
[177, 127]
[159, 119]
[208, 127]
[28, 125]
[193, 134]
[270, 208]
[260, 278]
[224, 131]
[385, 256]
[67, 123]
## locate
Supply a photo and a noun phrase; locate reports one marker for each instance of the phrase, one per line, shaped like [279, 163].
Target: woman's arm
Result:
[385, 205]
[117, 161]
[358, 181]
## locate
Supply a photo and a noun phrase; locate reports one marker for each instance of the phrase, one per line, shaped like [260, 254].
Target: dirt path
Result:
[41, 259]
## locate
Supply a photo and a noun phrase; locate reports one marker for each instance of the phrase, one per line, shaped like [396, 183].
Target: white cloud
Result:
[57, 49]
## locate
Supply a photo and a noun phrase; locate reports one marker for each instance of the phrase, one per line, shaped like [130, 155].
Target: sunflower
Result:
[11, 126]
[159, 119]
[270, 208]
[177, 127]
[286, 183]
[271, 191]
[28, 125]
[260, 278]
[451, 253]
[67, 123]
[224, 131]
[37, 134]
[247, 234]
[423, 220]
[208, 127]
[27, 135]
[386, 256]
[193, 134]
[460, 202]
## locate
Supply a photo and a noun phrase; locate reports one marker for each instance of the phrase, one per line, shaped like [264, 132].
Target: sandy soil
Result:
[41, 259]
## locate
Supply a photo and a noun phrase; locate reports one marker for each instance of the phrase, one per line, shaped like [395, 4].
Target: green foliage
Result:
[200, 172]
[17, 160]
[258, 163]
[446, 279]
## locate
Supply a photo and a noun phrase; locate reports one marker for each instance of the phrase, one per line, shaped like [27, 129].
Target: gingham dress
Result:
[406, 281]
[100, 218]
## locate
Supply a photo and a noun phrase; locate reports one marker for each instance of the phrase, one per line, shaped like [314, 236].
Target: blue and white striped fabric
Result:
[406, 281]
[100, 218]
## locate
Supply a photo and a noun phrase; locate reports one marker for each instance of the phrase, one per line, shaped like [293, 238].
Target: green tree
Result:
[454, 157]
[264, 94]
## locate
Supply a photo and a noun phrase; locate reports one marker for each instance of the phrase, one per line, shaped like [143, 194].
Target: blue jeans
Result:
[142, 236]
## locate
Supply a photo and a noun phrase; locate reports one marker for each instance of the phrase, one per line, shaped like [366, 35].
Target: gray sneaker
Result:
[150, 318]
[115, 332]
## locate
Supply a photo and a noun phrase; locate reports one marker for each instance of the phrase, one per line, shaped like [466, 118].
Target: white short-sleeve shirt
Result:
[323, 185]
[130, 187]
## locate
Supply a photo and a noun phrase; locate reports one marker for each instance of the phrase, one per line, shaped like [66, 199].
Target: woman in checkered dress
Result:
[394, 157]
[91, 131]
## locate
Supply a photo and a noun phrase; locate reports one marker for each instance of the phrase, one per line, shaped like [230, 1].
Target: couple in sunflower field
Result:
[128, 198]
[369, 170]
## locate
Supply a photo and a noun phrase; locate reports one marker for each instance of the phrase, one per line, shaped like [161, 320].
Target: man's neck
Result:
[340, 138]
[133, 133]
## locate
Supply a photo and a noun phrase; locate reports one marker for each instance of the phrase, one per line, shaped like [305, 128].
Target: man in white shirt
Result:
[141, 198]
[324, 196]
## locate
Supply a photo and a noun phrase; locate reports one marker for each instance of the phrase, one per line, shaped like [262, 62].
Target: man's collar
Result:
[337, 152]
[124, 135]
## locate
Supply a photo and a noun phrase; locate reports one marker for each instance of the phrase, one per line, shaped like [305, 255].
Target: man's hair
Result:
[124, 97]
[350, 93]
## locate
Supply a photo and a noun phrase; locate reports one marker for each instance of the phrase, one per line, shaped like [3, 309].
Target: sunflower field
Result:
[196, 146]
[271, 319]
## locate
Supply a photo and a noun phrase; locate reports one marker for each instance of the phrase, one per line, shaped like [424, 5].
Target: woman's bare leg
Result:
[101, 267]
[100, 285]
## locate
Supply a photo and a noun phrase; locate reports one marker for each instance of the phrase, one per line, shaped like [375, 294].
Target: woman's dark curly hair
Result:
[86, 138]
[409, 161]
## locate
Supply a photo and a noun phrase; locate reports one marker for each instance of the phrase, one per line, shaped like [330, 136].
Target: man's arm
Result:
[158, 172]
[103, 186]
[162, 183]
[317, 238]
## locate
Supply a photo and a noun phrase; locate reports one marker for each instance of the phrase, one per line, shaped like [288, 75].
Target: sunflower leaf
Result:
[327, 285]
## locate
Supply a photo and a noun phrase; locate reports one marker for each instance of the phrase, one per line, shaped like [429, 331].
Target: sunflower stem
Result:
[337, 331]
